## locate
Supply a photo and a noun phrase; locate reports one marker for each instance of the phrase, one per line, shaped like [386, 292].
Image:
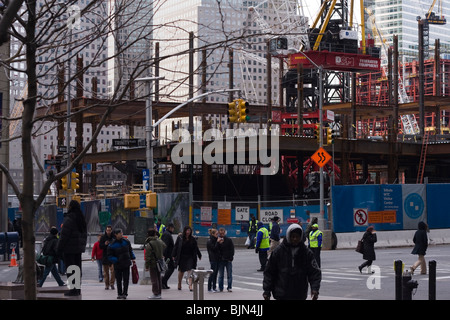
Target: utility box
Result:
[2, 246]
[132, 201]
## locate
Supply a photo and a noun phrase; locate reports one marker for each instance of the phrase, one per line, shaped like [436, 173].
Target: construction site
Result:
[383, 121]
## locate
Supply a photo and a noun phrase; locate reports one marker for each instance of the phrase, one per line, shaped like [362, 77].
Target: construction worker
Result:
[160, 228]
[315, 242]
[262, 245]
[252, 229]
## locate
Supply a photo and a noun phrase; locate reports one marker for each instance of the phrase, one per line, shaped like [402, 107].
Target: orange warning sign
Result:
[321, 157]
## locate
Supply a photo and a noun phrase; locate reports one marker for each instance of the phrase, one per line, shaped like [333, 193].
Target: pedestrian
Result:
[252, 229]
[168, 240]
[97, 255]
[213, 254]
[315, 242]
[274, 234]
[369, 238]
[420, 240]
[49, 249]
[72, 242]
[108, 267]
[185, 253]
[154, 249]
[121, 254]
[291, 267]
[262, 245]
[226, 255]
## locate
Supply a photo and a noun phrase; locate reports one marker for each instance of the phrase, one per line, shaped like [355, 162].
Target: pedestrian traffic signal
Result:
[243, 111]
[317, 133]
[232, 112]
[330, 136]
[74, 182]
[64, 183]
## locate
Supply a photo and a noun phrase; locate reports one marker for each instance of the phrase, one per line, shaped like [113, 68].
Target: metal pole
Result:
[321, 136]
[432, 280]
[398, 264]
[148, 133]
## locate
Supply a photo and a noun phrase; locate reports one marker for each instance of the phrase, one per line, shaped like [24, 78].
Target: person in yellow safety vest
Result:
[252, 229]
[315, 242]
[160, 228]
[262, 245]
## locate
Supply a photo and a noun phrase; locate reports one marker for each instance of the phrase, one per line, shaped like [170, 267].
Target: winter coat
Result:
[120, 253]
[50, 246]
[290, 269]
[420, 240]
[154, 248]
[369, 240]
[168, 240]
[104, 246]
[185, 253]
[225, 249]
[73, 236]
[213, 251]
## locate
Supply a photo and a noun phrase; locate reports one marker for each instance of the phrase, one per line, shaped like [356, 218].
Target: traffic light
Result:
[151, 200]
[330, 136]
[232, 112]
[64, 183]
[317, 132]
[243, 110]
[74, 182]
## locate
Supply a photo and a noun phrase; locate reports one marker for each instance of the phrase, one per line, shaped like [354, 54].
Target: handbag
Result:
[360, 247]
[134, 273]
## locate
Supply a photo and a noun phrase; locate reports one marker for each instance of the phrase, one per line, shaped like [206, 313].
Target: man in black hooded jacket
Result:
[290, 268]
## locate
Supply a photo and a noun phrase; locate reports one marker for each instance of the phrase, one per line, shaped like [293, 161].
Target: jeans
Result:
[212, 280]
[55, 274]
[100, 270]
[222, 265]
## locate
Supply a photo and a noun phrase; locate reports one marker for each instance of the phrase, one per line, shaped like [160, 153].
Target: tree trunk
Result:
[26, 200]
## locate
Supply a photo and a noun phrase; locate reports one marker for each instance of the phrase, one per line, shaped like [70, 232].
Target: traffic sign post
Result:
[146, 179]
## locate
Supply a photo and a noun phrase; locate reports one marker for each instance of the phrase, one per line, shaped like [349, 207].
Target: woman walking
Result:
[420, 247]
[185, 254]
[369, 238]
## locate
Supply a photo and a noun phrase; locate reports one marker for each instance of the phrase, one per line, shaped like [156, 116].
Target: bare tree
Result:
[48, 28]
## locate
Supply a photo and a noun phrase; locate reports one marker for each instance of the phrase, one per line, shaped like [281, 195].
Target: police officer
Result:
[262, 245]
[315, 242]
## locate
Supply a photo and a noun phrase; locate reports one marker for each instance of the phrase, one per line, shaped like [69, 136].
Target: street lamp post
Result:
[320, 70]
[149, 127]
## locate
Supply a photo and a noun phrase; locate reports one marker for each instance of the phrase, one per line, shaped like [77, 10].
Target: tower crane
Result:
[431, 17]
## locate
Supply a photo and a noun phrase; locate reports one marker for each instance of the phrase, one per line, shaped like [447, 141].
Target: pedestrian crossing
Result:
[336, 275]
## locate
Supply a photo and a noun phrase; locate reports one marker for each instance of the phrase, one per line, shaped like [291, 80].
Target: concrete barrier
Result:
[400, 238]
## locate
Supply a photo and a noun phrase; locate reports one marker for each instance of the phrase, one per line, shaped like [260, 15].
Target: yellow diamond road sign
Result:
[321, 157]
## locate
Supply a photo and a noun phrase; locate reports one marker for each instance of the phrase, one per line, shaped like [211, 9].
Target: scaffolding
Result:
[373, 90]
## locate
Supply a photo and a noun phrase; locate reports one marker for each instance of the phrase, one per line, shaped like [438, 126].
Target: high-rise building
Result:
[221, 26]
[399, 17]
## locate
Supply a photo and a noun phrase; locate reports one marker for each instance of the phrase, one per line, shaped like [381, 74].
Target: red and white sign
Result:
[360, 217]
